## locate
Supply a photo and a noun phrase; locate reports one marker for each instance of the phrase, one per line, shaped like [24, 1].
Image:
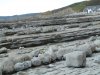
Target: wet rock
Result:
[76, 59]
[22, 66]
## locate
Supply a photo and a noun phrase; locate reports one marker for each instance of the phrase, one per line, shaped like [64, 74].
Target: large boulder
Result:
[75, 59]
[36, 61]
[97, 43]
[45, 58]
[63, 51]
[52, 53]
[85, 48]
[8, 66]
[22, 66]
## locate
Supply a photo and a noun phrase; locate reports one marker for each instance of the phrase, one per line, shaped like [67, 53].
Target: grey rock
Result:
[3, 55]
[76, 59]
[85, 48]
[35, 53]
[22, 58]
[8, 66]
[97, 49]
[97, 59]
[97, 43]
[3, 50]
[52, 53]
[45, 58]
[63, 51]
[50, 66]
[22, 66]
[36, 61]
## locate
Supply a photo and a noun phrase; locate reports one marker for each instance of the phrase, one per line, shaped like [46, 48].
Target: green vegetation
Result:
[78, 7]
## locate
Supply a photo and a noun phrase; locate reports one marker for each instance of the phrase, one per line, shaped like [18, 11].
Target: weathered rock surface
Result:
[67, 34]
[97, 43]
[36, 61]
[76, 59]
[8, 66]
[35, 33]
[3, 50]
[86, 48]
[22, 66]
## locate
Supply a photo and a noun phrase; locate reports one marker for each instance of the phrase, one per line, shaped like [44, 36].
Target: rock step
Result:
[60, 21]
[41, 39]
[46, 29]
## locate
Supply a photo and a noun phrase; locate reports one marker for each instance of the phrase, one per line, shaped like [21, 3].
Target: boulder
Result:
[52, 53]
[45, 58]
[97, 59]
[93, 46]
[36, 61]
[8, 66]
[76, 59]
[63, 51]
[22, 58]
[22, 66]
[3, 55]
[97, 49]
[85, 48]
[97, 43]
[3, 50]
[35, 53]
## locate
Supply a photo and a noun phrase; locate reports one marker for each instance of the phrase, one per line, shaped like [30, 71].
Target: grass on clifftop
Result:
[78, 7]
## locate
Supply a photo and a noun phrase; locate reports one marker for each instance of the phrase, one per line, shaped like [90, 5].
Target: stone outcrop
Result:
[41, 32]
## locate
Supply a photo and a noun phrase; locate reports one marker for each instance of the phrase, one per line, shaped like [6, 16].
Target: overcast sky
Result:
[16, 7]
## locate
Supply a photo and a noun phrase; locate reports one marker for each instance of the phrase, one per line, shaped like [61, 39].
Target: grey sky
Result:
[16, 7]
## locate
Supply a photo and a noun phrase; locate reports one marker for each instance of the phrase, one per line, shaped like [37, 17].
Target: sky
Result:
[17, 7]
